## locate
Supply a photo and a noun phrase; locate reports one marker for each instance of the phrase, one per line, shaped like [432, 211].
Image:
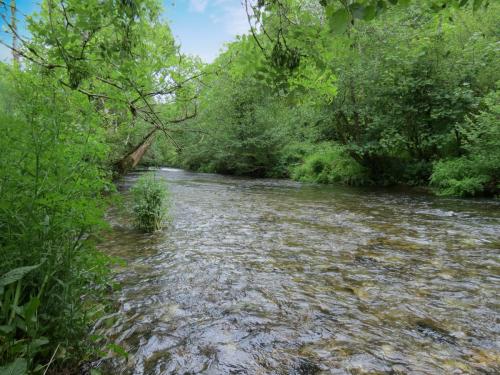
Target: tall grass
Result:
[150, 203]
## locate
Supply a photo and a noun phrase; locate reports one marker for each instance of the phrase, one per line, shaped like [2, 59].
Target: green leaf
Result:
[30, 309]
[16, 274]
[381, 5]
[6, 329]
[369, 13]
[41, 341]
[339, 21]
[477, 5]
[18, 367]
[38, 368]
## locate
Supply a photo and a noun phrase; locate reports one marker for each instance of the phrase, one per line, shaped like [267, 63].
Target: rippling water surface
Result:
[276, 277]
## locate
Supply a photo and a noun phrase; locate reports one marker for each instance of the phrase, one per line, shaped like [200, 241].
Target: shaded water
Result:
[275, 277]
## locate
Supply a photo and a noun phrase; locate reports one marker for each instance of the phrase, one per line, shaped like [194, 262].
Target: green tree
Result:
[478, 170]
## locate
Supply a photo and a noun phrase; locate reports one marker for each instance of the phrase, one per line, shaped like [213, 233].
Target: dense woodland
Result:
[350, 92]
[407, 98]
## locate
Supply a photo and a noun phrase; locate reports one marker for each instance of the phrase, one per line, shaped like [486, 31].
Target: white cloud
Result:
[236, 21]
[231, 15]
[198, 6]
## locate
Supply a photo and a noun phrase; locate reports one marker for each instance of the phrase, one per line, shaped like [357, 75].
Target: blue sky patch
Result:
[202, 27]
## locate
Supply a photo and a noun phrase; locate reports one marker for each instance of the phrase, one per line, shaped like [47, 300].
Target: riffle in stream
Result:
[276, 277]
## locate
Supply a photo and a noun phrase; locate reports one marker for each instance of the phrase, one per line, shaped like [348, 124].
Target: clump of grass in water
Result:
[151, 197]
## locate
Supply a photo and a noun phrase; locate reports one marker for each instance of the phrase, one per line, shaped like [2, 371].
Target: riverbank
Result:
[396, 188]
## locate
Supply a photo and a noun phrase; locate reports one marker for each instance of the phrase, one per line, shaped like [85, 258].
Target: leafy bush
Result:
[150, 203]
[478, 171]
[50, 183]
[14, 315]
[458, 177]
[330, 163]
[291, 156]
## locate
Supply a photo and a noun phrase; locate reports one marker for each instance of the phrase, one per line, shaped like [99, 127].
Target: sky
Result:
[201, 27]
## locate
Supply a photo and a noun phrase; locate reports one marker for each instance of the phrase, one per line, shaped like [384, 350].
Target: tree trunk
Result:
[133, 158]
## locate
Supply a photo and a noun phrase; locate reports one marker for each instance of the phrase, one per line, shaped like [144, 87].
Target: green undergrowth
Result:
[54, 283]
[150, 202]
[330, 163]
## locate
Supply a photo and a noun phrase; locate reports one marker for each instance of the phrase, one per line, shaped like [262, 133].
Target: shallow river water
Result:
[276, 277]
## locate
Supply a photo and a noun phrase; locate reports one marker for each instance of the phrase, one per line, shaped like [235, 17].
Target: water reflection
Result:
[275, 277]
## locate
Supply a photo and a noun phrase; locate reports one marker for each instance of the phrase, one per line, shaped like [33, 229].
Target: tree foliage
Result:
[394, 93]
[478, 169]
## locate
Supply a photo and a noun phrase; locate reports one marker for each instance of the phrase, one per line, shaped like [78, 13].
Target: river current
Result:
[261, 276]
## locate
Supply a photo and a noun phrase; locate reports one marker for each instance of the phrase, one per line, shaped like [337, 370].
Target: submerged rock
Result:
[429, 328]
[304, 366]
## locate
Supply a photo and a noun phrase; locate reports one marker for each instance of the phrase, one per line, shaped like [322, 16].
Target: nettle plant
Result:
[151, 198]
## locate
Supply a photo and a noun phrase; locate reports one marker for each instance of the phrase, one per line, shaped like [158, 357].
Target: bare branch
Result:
[252, 28]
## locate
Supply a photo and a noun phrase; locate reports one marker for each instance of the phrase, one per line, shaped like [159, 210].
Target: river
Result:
[261, 276]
